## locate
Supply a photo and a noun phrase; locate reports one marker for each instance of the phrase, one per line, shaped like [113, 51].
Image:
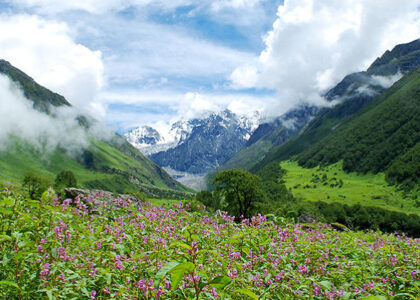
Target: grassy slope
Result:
[111, 170]
[248, 156]
[366, 189]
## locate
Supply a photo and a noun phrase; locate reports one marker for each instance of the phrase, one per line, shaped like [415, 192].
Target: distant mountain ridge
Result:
[271, 134]
[111, 164]
[199, 145]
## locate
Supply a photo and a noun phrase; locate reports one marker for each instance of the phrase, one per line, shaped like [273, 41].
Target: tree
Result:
[241, 191]
[208, 199]
[36, 184]
[65, 179]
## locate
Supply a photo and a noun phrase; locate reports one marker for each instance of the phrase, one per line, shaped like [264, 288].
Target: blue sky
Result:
[135, 62]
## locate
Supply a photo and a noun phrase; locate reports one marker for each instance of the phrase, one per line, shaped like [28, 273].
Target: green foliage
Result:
[63, 180]
[209, 199]
[358, 217]
[35, 184]
[241, 191]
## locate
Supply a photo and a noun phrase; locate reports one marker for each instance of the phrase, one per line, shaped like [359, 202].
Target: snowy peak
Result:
[196, 145]
[144, 135]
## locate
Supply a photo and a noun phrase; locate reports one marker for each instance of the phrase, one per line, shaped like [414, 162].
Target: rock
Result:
[307, 218]
[339, 227]
[96, 198]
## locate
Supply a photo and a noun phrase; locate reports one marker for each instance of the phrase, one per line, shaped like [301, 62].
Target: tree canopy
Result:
[241, 191]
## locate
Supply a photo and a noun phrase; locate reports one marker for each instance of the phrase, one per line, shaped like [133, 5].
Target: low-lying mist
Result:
[44, 132]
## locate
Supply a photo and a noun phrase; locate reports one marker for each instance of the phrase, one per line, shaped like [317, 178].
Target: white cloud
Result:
[46, 51]
[18, 118]
[45, 132]
[314, 43]
[146, 50]
[184, 106]
[101, 6]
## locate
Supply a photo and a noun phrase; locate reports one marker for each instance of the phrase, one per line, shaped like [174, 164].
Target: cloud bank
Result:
[314, 43]
[46, 51]
[18, 118]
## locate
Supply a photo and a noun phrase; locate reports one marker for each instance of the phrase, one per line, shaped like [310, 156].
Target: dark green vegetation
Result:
[361, 217]
[110, 164]
[35, 184]
[241, 191]
[243, 194]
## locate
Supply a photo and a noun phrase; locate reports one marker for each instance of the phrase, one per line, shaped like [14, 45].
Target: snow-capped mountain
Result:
[149, 141]
[198, 145]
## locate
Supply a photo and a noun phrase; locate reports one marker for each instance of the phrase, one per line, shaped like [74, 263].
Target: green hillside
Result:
[110, 164]
[379, 138]
[404, 58]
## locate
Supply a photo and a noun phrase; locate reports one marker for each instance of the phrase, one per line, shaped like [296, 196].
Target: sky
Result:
[138, 62]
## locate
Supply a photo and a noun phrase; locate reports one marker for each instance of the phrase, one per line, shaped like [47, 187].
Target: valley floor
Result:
[332, 184]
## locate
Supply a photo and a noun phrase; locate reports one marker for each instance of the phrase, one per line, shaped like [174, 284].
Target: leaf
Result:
[371, 297]
[246, 293]
[166, 268]
[204, 251]
[5, 238]
[220, 282]
[178, 272]
[9, 283]
[326, 284]
[181, 244]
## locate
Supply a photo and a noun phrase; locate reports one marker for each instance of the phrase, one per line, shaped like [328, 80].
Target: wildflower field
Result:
[89, 249]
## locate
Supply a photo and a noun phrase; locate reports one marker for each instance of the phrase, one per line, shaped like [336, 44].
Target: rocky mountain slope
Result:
[199, 145]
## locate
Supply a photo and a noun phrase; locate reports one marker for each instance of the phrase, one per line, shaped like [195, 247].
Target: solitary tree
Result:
[241, 190]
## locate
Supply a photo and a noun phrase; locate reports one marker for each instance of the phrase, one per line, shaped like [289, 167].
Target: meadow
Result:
[87, 249]
[332, 184]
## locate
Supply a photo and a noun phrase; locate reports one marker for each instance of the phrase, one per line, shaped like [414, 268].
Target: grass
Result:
[323, 184]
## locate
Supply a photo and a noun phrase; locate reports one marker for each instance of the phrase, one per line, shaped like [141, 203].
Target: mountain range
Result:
[199, 145]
